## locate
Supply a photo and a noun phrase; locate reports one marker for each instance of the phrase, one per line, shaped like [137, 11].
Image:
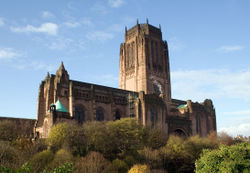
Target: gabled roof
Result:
[60, 107]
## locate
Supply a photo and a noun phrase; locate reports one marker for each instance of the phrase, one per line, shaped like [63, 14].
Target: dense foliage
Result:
[118, 147]
[235, 158]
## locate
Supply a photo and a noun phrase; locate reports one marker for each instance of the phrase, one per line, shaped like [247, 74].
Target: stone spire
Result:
[62, 73]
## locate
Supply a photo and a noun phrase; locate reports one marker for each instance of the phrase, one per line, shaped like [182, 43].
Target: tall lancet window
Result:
[133, 52]
[152, 51]
[79, 114]
[153, 116]
[129, 55]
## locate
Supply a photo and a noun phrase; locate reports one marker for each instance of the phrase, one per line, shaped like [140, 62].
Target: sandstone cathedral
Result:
[144, 92]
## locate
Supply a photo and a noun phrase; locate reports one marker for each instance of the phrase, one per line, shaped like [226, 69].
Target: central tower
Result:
[144, 61]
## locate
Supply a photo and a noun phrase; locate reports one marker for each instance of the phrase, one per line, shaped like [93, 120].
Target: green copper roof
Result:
[60, 107]
[182, 106]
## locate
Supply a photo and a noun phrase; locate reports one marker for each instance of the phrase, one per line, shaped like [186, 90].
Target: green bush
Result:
[96, 135]
[114, 139]
[62, 156]
[41, 160]
[235, 158]
[65, 168]
[75, 141]
[57, 136]
[117, 166]
[155, 138]
[124, 137]
[180, 155]
[139, 169]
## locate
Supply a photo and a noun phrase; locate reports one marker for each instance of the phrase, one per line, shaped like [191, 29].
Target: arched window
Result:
[79, 114]
[99, 114]
[133, 52]
[153, 116]
[152, 51]
[117, 115]
[157, 53]
[129, 55]
[180, 133]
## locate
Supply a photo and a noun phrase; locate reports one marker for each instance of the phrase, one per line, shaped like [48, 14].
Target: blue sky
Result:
[209, 44]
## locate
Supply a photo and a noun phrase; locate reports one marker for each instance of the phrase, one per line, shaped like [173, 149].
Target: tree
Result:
[40, 160]
[155, 138]
[61, 157]
[225, 139]
[139, 169]
[179, 155]
[125, 137]
[9, 156]
[117, 166]
[151, 157]
[57, 136]
[75, 141]
[234, 158]
[93, 162]
[114, 139]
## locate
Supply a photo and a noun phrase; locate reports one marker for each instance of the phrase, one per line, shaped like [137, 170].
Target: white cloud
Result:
[47, 28]
[60, 43]
[35, 65]
[116, 3]
[99, 36]
[226, 49]
[47, 15]
[72, 24]
[242, 129]
[8, 53]
[200, 84]
[1, 22]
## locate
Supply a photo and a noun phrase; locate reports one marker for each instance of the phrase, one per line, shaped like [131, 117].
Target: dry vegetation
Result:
[119, 147]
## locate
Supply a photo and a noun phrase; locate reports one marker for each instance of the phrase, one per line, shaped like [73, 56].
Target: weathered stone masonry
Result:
[145, 92]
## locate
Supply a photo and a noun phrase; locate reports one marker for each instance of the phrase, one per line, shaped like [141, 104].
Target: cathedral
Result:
[144, 92]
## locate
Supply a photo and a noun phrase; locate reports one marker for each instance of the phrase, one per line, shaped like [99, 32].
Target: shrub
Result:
[235, 158]
[129, 160]
[93, 162]
[114, 139]
[96, 136]
[40, 160]
[61, 157]
[125, 137]
[225, 139]
[155, 138]
[139, 169]
[151, 157]
[9, 156]
[75, 141]
[65, 168]
[57, 136]
[117, 166]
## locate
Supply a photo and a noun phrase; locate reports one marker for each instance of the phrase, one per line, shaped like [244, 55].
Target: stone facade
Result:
[145, 92]
[25, 126]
